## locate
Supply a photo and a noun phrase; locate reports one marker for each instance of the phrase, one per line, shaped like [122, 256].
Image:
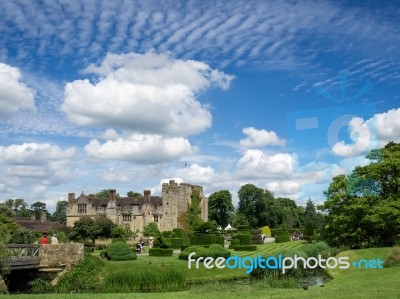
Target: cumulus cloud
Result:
[372, 133]
[36, 163]
[259, 138]
[361, 136]
[145, 93]
[284, 188]
[14, 95]
[257, 164]
[139, 148]
[388, 125]
[114, 175]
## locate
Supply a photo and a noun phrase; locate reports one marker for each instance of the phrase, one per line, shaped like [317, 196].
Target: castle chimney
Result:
[43, 216]
[71, 197]
[147, 196]
[113, 194]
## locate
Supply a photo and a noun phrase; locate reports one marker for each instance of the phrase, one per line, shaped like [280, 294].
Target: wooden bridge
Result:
[21, 256]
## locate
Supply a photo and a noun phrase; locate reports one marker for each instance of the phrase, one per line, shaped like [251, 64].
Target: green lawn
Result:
[348, 283]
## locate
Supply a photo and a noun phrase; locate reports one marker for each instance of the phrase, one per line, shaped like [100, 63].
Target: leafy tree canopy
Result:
[220, 207]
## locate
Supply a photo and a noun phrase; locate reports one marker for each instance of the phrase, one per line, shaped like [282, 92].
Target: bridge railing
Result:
[23, 250]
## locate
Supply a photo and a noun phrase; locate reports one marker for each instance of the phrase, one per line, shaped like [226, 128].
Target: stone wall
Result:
[60, 255]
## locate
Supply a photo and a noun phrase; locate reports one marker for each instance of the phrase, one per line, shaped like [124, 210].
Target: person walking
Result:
[43, 239]
[54, 239]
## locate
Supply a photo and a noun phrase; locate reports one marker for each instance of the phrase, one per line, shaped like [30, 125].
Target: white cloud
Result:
[115, 175]
[196, 174]
[36, 163]
[14, 95]
[373, 133]
[145, 93]
[257, 164]
[284, 188]
[388, 125]
[259, 138]
[361, 136]
[139, 148]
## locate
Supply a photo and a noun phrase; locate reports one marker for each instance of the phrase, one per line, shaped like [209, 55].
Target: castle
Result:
[136, 212]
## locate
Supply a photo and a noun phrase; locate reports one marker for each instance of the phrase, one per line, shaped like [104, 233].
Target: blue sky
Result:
[122, 94]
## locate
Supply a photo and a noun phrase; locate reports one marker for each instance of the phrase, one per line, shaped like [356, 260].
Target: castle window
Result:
[126, 218]
[155, 218]
[82, 209]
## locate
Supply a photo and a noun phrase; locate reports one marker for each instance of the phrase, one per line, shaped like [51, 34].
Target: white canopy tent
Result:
[229, 227]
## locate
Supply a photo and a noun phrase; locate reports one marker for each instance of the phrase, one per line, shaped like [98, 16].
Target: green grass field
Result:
[348, 283]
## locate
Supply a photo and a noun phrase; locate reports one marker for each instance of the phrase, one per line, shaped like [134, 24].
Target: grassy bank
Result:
[348, 283]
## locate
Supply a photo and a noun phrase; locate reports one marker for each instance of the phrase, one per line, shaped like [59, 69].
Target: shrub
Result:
[234, 242]
[246, 248]
[219, 251]
[117, 232]
[199, 250]
[161, 251]
[120, 251]
[245, 239]
[282, 237]
[23, 236]
[41, 286]
[220, 240]
[202, 239]
[393, 258]
[266, 231]
[161, 242]
[82, 277]
[167, 234]
[176, 242]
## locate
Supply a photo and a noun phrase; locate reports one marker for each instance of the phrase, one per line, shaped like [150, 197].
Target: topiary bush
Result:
[202, 239]
[266, 231]
[219, 239]
[234, 242]
[219, 251]
[161, 251]
[245, 239]
[246, 248]
[120, 251]
[161, 242]
[256, 239]
[176, 242]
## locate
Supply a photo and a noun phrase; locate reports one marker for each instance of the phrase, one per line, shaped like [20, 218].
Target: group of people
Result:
[140, 244]
[45, 240]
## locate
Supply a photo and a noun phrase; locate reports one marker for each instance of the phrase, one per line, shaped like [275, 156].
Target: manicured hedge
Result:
[220, 240]
[199, 239]
[234, 242]
[161, 251]
[120, 251]
[245, 239]
[167, 233]
[282, 238]
[246, 248]
[176, 242]
[219, 251]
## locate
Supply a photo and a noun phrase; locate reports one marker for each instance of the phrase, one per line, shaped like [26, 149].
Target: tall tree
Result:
[134, 194]
[363, 209]
[39, 207]
[60, 214]
[252, 204]
[220, 207]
